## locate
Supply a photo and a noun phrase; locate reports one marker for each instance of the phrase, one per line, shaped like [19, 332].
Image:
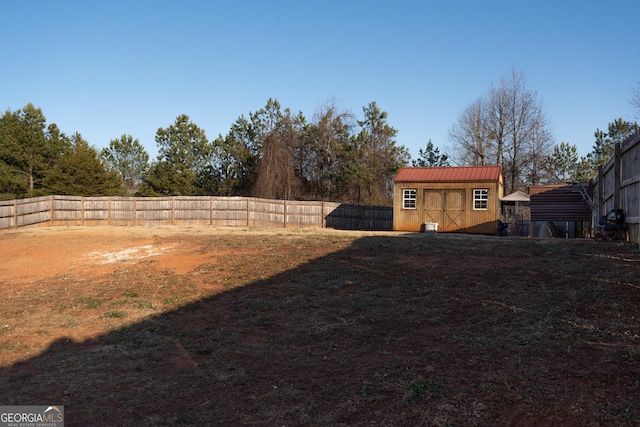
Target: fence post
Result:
[285, 214]
[600, 192]
[173, 211]
[211, 211]
[15, 213]
[247, 199]
[616, 176]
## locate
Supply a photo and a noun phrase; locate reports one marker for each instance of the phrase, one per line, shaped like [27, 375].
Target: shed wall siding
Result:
[461, 217]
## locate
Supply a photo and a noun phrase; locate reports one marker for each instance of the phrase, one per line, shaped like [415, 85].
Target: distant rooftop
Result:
[516, 196]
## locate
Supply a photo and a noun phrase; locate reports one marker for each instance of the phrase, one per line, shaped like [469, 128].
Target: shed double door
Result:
[446, 207]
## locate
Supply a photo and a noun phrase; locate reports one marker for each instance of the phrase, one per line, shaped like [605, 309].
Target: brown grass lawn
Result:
[230, 327]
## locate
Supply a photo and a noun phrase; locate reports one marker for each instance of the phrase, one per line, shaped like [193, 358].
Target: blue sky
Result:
[108, 68]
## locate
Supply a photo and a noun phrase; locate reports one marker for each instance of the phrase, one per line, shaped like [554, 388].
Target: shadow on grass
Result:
[392, 330]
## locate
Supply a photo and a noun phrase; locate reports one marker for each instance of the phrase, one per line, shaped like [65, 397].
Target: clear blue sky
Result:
[107, 68]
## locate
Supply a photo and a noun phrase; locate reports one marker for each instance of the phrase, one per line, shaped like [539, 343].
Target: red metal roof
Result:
[450, 174]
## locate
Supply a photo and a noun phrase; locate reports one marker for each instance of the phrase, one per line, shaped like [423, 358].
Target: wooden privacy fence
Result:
[618, 185]
[214, 211]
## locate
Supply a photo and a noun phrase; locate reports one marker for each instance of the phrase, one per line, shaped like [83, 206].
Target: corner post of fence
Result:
[323, 218]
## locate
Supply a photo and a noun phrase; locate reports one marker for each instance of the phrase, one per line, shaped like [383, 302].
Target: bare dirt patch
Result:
[206, 326]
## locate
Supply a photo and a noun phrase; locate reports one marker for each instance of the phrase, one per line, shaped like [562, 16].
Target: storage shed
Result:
[464, 199]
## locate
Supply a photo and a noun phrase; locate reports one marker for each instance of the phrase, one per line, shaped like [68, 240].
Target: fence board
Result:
[32, 211]
[354, 217]
[230, 211]
[618, 185]
[122, 211]
[266, 213]
[216, 211]
[304, 214]
[8, 214]
[192, 211]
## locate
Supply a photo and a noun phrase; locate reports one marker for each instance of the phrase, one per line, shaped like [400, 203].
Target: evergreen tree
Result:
[584, 170]
[129, 159]
[232, 167]
[603, 149]
[80, 171]
[233, 170]
[259, 155]
[373, 158]
[28, 149]
[604, 146]
[564, 162]
[430, 156]
[184, 156]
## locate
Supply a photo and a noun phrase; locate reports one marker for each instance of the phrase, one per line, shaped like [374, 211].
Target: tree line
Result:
[508, 127]
[277, 154]
[271, 153]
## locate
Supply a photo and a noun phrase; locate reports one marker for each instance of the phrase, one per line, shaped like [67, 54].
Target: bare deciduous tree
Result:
[277, 177]
[471, 136]
[528, 142]
[635, 101]
[507, 127]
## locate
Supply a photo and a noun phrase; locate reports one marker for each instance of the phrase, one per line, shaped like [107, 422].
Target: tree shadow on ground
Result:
[392, 330]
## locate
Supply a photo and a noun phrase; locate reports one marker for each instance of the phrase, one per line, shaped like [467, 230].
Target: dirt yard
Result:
[231, 327]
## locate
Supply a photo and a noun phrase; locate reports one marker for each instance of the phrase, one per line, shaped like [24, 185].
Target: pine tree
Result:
[128, 158]
[28, 150]
[372, 158]
[81, 172]
[564, 162]
[430, 157]
[184, 155]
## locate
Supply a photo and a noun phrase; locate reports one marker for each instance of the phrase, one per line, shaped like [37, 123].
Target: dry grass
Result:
[325, 329]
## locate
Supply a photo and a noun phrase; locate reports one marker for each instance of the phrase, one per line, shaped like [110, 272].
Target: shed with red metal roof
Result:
[463, 199]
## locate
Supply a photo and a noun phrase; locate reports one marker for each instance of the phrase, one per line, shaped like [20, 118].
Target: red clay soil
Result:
[208, 326]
